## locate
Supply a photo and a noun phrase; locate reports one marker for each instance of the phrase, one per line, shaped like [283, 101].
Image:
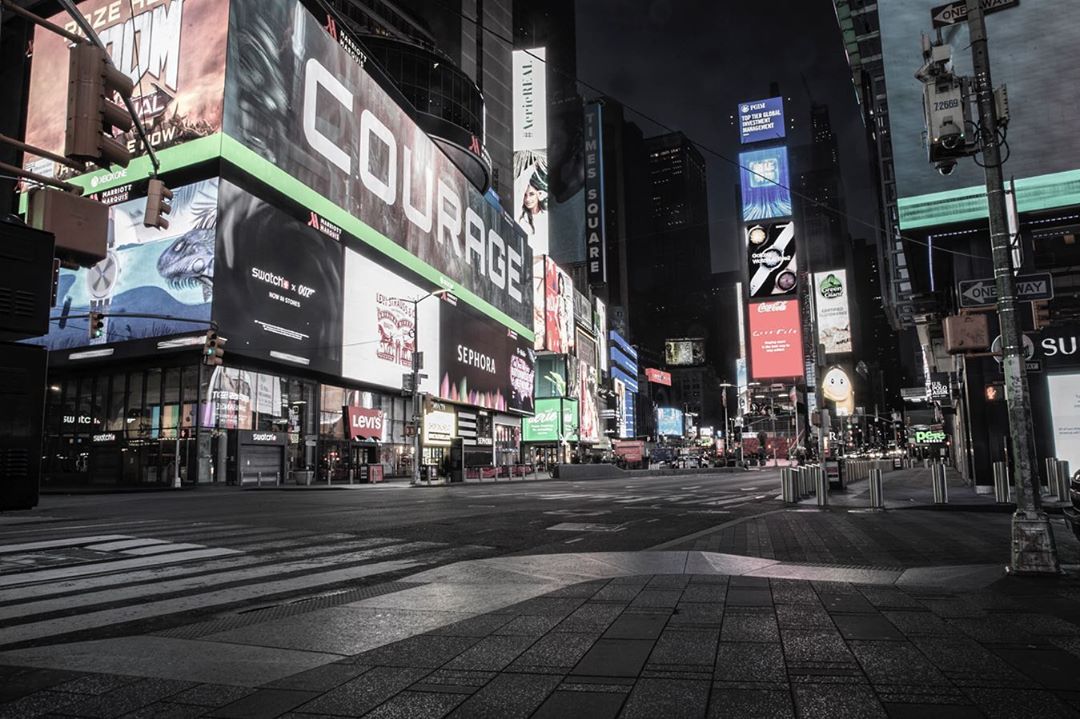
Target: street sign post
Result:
[983, 292]
[954, 12]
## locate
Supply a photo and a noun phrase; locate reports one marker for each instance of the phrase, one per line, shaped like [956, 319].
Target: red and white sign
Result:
[364, 423]
[658, 376]
[775, 339]
[630, 451]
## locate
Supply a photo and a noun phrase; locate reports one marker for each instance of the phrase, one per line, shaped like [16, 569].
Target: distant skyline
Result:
[688, 64]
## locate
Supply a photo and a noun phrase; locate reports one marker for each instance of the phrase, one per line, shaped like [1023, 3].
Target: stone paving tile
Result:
[814, 701]
[480, 626]
[1050, 667]
[319, 679]
[889, 598]
[550, 606]
[700, 614]
[591, 617]
[992, 629]
[263, 704]
[508, 696]
[416, 705]
[750, 704]
[965, 661]
[745, 582]
[713, 593]
[95, 684]
[491, 653]
[557, 650]
[923, 695]
[697, 647]
[614, 658]
[709, 579]
[584, 589]
[211, 695]
[459, 678]
[895, 663]
[790, 591]
[930, 711]
[131, 697]
[168, 710]
[823, 587]
[531, 625]
[39, 703]
[921, 624]
[749, 627]
[795, 616]
[1014, 704]
[365, 692]
[618, 592]
[738, 596]
[750, 662]
[867, 627]
[594, 705]
[425, 650]
[664, 598]
[1044, 624]
[812, 646]
[668, 581]
[638, 626]
[953, 607]
[846, 602]
[668, 698]
[21, 681]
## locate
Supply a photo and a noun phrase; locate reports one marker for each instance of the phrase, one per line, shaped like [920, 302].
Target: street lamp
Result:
[727, 427]
[416, 362]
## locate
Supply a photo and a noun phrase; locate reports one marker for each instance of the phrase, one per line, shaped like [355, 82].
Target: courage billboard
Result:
[299, 101]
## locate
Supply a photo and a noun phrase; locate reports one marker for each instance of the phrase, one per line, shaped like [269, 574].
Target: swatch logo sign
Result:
[264, 437]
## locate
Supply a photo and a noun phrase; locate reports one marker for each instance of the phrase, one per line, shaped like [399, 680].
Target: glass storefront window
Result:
[117, 408]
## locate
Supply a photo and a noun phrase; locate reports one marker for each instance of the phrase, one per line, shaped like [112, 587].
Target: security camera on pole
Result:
[947, 113]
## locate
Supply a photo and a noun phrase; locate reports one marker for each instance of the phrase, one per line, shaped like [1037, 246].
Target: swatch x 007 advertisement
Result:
[304, 104]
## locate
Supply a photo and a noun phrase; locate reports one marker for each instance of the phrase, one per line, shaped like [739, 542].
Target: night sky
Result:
[688, 63]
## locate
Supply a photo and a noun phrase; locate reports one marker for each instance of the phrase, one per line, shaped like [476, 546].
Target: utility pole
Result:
[1033, 547]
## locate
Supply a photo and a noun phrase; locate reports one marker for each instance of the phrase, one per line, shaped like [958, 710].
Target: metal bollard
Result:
[787, 485]
[1001, 483]
[877, 499]
[804, 481]
[1063, 478]
[938, 481]
[1051, 475]
[822, 489]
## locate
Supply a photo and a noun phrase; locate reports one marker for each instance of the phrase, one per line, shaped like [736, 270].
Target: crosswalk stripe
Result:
[107, 596]
[49, 575]
[146, 610]
[124, 544]
[58, 543]
[161, 549]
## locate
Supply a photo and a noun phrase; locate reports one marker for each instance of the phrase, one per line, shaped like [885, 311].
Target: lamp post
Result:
[417, 364]
[727, 427]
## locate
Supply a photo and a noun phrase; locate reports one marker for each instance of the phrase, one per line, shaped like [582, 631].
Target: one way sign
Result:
[982, 292]
[954, 12]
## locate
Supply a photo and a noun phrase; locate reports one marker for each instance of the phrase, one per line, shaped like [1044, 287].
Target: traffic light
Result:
[157, 205]
[1040, 313]
[213, 349]
[92, 112]
[736, 434]
[97, 325]
[994, 392]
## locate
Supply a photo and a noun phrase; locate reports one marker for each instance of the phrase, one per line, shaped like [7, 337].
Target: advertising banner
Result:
[602, 333]
[146, 271]
[589, 427]
[833, 315]
[530, 146]
[558, 309]
[539, 289]
[770, 253]
[546, 424]
[364, 423]
[1065, 414]
[669, 421]
[583, 315]
[838, 391]
[657, 376]
[595, 231]
[763, 176]
[566, 180]
[484, 364]
[174, 52]
[761, 120]
[684, 352]
[379, 331]
[440, 425]
[280, 285]
[302, 103]
[775, 339]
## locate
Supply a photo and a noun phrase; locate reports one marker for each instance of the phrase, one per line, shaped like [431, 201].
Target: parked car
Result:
[1072, 514]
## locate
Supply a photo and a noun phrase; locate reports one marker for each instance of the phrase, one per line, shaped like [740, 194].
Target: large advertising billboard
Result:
[279, 284]
[147, 271]
[595, 231]
[761, 120]
[684, 352]
[558, 308]
[833, 314]
[530, 147]
[669, 421]
[775, 339]
[590, 413]
[770, 254]
[1043, 80]
[763, 176]
[309, 117]
[380, 331]
[174, 52]
[482, 363]
[1065, 415]
[555, 420]
[838, 391]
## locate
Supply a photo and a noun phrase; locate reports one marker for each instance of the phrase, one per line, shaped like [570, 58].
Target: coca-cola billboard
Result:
[775, 340]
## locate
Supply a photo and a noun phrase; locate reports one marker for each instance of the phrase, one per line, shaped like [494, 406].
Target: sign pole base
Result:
[1033, 547]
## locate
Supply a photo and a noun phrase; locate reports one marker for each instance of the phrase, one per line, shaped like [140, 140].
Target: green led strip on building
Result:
[1044, 192]
[221, 146]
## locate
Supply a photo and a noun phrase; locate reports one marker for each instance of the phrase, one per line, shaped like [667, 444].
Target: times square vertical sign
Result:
[595, 242]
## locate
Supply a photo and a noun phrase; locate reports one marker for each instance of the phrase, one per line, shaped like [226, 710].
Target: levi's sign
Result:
[981, 292]
[364, 423]
[954, 12]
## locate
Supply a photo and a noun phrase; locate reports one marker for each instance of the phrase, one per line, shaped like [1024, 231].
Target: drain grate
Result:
[291, 608]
